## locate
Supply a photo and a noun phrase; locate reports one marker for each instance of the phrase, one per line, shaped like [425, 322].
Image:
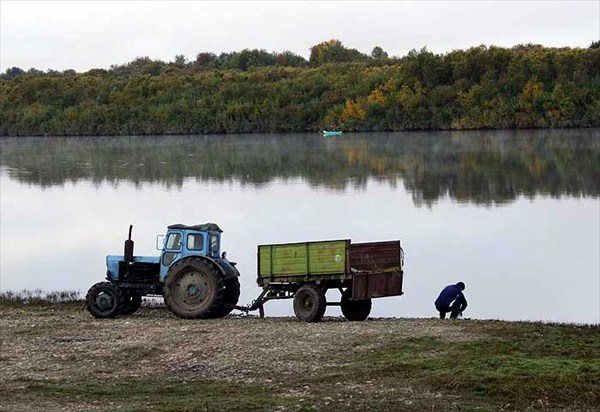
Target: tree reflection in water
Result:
[481, 167]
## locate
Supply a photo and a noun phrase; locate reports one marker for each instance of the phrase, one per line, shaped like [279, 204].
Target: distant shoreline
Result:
[315, 132]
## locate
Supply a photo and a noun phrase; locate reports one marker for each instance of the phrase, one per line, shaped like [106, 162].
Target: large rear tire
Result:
[104, 300]
[355, 310]
[131, 303]
[310, 303]
[194, 289]
[231, 297]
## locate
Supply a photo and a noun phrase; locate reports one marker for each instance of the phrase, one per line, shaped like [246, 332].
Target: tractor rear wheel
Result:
[310, 303]
[231, 296]
[355, 310]
[131, 303]
[103, 300]
[194, 289]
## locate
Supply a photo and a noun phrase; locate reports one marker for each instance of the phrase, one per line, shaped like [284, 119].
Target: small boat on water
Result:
[332, 132]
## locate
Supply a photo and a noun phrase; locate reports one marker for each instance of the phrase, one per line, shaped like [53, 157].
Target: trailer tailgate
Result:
[376, 269]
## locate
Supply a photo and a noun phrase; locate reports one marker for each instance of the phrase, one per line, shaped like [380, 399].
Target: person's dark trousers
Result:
[443, 310]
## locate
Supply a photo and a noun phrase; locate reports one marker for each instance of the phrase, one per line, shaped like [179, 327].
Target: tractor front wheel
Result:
[103, 300]
[194, 289]
[310, 303]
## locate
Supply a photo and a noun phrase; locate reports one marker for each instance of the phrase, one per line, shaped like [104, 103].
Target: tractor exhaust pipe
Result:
[128, 252]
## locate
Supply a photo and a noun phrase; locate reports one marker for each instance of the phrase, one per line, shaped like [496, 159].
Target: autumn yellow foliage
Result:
[353, 111]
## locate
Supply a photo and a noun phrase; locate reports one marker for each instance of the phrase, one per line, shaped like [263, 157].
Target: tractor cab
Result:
[182, 241]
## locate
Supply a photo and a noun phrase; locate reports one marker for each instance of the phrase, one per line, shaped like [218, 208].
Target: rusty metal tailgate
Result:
[376, 269]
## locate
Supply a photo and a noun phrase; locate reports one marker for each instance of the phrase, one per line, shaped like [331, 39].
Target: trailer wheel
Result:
[355, 310]
[131, 303]
[103, 300]
[310, 303]
[231, 296]
[194, 289]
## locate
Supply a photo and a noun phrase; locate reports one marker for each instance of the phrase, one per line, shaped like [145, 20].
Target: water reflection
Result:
[476, 167]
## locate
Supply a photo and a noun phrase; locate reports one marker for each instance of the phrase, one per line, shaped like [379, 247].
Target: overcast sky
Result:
[84, 35]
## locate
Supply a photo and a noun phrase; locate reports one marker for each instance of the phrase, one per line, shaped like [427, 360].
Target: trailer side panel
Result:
[303, 259]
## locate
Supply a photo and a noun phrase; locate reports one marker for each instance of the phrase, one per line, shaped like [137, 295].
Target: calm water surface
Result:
[515, 215]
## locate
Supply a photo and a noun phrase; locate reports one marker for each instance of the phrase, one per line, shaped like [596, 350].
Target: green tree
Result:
[333, 51]
[205, 60]
[12, 72]
[180, 61]
[378, 53]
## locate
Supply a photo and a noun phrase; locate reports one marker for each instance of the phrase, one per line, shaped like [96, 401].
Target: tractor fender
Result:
[229, 270]
[226, 269]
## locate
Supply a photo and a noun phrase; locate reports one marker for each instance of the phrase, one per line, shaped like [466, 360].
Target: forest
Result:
[483, 87]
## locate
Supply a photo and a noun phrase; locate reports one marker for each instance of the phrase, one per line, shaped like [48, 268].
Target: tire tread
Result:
[199, 264]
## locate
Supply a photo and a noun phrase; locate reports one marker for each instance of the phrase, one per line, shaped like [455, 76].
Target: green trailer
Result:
[305, 271]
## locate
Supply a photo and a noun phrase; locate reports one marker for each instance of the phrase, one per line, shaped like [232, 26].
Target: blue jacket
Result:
[448, 295]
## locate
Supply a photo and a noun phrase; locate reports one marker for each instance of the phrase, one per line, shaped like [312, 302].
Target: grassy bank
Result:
[57, 356]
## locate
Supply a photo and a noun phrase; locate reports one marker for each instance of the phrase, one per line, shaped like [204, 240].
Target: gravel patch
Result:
[54, 344]
[49, 344]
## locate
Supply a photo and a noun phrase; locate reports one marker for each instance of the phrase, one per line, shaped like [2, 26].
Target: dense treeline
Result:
[525, 86]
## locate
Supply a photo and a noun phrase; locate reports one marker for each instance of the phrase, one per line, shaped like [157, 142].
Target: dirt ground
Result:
[68, 345]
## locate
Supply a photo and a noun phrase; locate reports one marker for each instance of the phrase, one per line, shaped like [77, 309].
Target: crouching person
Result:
[451, 300]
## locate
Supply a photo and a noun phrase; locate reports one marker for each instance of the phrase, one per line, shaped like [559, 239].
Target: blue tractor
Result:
[195, 279]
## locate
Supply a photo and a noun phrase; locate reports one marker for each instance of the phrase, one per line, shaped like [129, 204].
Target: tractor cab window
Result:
[173, 241]
[195, 241]
[214, 244]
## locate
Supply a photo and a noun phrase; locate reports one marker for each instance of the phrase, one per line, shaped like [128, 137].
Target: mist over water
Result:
[513, 214]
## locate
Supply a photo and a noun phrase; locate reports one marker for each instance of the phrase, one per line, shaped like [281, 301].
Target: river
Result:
[513, 214]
